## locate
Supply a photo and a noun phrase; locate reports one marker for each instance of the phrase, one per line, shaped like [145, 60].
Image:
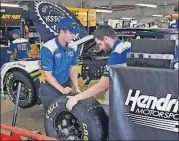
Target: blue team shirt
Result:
[174, 25]
[57, 59]
[21, 46]
[118, 55]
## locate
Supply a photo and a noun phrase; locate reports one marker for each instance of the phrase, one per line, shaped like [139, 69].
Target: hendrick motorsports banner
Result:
[143, 104]
[46, 15]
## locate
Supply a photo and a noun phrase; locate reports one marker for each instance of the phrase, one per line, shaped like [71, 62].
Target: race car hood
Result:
[45, 16]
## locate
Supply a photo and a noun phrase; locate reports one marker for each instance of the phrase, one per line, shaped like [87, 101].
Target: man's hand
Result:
[66, 90]
[72, 101]
[78, 90]
[167, 18]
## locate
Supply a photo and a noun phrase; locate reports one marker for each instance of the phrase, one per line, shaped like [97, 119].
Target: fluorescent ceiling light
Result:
[103, 7]
[146, 5]
[127, 18]
[2, 10]
[9, 5]
[157, 15]
[103, 10]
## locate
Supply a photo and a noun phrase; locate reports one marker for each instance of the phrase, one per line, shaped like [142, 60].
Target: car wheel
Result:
[27, 95]
[82, 123]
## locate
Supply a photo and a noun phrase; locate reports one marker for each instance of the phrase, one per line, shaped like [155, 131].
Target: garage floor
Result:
[30, 118]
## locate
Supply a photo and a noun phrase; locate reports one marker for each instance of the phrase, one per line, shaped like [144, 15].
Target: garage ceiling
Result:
[121, 8]
[97, 3]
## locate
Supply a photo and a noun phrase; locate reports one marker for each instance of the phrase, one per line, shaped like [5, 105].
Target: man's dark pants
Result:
[48, 93]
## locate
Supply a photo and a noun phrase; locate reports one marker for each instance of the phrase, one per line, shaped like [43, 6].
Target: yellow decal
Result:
[51, 108]
[85, 131]
[7, 86]
[35, 73]
[9, 16]
[81, 14]
[41, 76]
[30, 95]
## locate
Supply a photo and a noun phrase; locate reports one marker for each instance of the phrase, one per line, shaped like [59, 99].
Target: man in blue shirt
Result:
[20, 47]
[106, 40]
[173, 16]
[58, 61]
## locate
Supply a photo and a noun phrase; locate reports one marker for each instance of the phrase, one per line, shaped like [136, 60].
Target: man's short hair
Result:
[176, 9]
[104, 30]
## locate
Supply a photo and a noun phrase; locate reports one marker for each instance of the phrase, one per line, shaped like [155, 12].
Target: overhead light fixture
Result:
[103, 10]
[157, 15]
[103, 7]
[146, 5]
[2, 10]
[9, 5]
[126, 18]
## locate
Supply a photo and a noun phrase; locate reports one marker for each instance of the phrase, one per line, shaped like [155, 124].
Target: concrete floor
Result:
[29, 119]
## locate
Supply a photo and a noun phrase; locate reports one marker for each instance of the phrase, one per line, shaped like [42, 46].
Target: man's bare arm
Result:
[175, 16]
[51, 80]
[74, 78]
[172, 16]
[100, 87]
[96, 89]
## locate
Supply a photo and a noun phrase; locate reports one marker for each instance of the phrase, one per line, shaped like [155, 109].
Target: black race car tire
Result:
[89, 114]
[12, 78]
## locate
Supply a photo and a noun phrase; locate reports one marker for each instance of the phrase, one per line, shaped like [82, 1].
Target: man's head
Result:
[16, 33]
[104, 37]
[68, 28]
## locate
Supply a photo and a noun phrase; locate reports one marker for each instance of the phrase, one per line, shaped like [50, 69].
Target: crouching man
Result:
[58, 61]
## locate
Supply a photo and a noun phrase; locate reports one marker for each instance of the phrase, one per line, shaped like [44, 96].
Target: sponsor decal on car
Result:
[50, 14]
[161, 113]
[19, 64]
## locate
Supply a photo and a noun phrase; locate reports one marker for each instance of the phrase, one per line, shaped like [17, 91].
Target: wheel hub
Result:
[67, 126]
[23, 92]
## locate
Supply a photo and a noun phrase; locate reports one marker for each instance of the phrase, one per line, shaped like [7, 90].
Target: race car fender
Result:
[27, 66]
